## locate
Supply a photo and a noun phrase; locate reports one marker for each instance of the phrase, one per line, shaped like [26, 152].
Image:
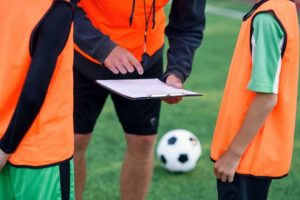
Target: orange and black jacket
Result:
[184, 32]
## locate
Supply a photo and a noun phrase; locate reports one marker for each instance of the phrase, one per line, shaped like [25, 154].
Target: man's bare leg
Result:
[81, 144]
[137, 167]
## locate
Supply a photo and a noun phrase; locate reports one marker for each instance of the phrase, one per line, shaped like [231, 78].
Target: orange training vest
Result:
[50, 138]
[270, 153]
[112, 18]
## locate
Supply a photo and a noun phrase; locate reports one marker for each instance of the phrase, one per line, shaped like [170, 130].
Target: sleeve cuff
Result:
[177, 73]
[255, 87]
[106, 48]
[3, 149]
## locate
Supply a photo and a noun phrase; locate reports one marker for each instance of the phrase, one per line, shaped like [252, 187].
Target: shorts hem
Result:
[81, 132]
[141, 133]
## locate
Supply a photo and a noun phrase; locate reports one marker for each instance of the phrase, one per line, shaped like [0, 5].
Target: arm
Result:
[90, 39]
[267, 45]
[53, 33]
[256, 116]
[185, 33]
[98, 45]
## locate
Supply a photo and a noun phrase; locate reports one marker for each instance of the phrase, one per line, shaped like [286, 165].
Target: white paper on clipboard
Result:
[144, 89]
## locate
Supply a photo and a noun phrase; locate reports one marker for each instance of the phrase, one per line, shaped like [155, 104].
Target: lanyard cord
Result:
[152, 9]
[132, 13]
[147, 18]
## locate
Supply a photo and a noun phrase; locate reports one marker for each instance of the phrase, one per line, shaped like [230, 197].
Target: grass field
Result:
[198, 115]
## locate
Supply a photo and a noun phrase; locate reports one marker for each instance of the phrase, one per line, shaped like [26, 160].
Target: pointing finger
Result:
[137, 65]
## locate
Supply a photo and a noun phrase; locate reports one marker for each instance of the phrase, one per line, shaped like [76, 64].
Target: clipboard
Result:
[140, 89]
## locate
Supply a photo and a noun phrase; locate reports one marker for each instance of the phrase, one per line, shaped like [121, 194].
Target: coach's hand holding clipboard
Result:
[137, 89]
[175, 82]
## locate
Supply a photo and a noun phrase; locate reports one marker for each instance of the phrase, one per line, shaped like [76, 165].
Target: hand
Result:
[226, 166]
[122, 61]
[3, 159]
[173, 81]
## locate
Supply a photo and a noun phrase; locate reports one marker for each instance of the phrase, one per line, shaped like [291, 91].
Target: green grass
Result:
[197, 114]
[231, 4]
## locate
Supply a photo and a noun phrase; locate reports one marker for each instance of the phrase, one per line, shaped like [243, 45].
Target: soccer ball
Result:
[179, 150]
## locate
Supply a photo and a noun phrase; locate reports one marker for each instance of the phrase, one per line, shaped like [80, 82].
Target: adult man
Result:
[118, 36]
[36, 101]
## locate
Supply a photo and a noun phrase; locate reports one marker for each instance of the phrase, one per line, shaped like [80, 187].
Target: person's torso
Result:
[50, 138]
[111, 17]
[269, 154]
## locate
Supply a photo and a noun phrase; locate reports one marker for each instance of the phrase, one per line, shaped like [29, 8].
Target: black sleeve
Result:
[88, 38]
[185, 34]
[49, 40]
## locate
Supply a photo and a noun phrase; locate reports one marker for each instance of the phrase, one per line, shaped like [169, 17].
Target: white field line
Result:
[225, 12]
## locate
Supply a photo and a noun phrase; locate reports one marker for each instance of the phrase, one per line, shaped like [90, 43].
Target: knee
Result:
[147, 143]
[81, 143]
[142, 147]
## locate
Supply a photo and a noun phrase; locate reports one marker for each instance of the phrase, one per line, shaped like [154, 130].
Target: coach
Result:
[125, 39]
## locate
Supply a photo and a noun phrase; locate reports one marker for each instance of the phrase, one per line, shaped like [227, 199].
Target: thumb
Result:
[177, 84]
[172, 80]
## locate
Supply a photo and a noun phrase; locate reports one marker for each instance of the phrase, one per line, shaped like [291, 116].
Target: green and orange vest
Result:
[270, 152]
[111, 17]
[50, 138]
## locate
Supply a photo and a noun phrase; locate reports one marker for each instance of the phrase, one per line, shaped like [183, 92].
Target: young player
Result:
[253, 138]
[36, 100]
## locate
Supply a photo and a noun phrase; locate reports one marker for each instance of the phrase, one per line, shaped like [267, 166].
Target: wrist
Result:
[177, 74]
[102, 53]
[3, 150]
[235, 152]
[4, 155]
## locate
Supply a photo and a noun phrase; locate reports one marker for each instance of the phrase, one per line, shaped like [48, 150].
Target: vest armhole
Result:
[254, 8]
[280, 24]
[35, 31]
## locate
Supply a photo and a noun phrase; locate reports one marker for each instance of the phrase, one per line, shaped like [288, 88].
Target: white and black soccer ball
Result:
[179, 150]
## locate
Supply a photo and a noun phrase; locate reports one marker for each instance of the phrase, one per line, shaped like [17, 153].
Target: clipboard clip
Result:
[166, 95]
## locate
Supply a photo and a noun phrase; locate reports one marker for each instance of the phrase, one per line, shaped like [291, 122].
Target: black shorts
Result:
[140, 117]
[244, 188]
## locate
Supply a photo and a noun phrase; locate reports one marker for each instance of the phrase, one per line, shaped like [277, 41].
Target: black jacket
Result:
[184, 32]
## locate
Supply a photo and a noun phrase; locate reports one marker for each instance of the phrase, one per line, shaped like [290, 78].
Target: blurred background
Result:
[197, 115]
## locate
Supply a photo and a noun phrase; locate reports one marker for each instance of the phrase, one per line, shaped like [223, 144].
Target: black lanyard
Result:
[145, 56]
[147, 18]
